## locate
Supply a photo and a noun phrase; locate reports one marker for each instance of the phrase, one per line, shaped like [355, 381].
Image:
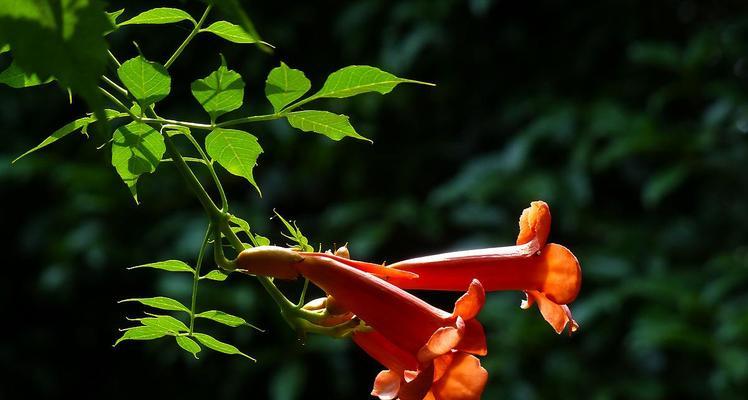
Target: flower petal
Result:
[464, 379]
[535, 224]
[442, 341]
[563, 277]
[557, 315]
[474, 339]
[469, 304]
[386, 385]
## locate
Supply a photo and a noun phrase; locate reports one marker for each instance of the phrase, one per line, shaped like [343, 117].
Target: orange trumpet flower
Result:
[548, 273]
[453, 375]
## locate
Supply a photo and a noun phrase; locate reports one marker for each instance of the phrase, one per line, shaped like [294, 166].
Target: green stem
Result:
[193, 125]
[188, 39]
[208, 205]
[196, 278]
[113, 58]
[209, 164]
[115, 86]
[116, 101]
[244, 120]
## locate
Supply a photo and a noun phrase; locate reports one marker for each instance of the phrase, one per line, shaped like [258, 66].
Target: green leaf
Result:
[147, 81]
[262, 240]
[223, 318]
[284, 85]
[295, 234]
[68, 129]
[215, 275]
[164, 322]
[161, 15]
[136, 149]
[220, 92]
[230, 32]
[188, 344]
[4, 48]
[15, 77]
[142, 333]
[357, 79]
[235, 150]
[58, 134]
[160, 302]
[217, 345]
[114, 15]
[234, 11]
[334, 126]
[169, 265]
[60, 39]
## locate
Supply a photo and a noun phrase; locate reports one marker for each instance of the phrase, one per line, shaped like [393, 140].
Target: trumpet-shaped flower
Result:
[454, 375]
[548, 273]
[411, 323]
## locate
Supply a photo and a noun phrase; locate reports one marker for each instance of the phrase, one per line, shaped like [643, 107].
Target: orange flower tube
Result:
[414, 325]
[548, 273]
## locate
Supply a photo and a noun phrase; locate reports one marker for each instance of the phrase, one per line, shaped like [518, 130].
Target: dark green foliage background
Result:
[629, 118]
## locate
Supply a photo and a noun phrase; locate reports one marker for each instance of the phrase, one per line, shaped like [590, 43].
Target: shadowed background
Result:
[629, 118]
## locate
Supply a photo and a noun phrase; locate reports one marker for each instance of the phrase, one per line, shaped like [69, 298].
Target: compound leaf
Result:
[220, 92]
[284, 85]
[147, 81]
[142, 333]
[169, 265]
[357, 79]
[230, 32]
[235, 150]
[136, 149]
[334, 126]
[160, 302]
[217, 345]
[161, 15]
[188, 345]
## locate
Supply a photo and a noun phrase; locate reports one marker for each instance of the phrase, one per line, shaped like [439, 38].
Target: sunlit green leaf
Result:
[68, 129]
[230, 32]
[4, 48]
[161, 15]
[261, 240]
[165, 322]
[188, 345]
[215, 275]
[235, 150]
[357, 79]
[136, 149]
[160, 302]
[15, 77]
[147, 81]
[142, 333]
[284, 85]
[220, 92]
[217, 345]
[223, 318]
[169, 265]
[234, 11]
[334, 126]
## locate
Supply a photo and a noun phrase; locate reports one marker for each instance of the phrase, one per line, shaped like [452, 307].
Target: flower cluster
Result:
[429, 353]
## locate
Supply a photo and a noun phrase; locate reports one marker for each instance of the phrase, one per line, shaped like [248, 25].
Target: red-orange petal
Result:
[535, 223]
[469, 304]
[464, 379]
[386, 385]
[474, 339]
[563, 278]
[557, 315]
[442, 341]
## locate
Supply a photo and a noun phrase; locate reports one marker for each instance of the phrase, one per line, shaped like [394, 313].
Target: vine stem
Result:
[196, 278]
[188, 39]
[212, 170]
